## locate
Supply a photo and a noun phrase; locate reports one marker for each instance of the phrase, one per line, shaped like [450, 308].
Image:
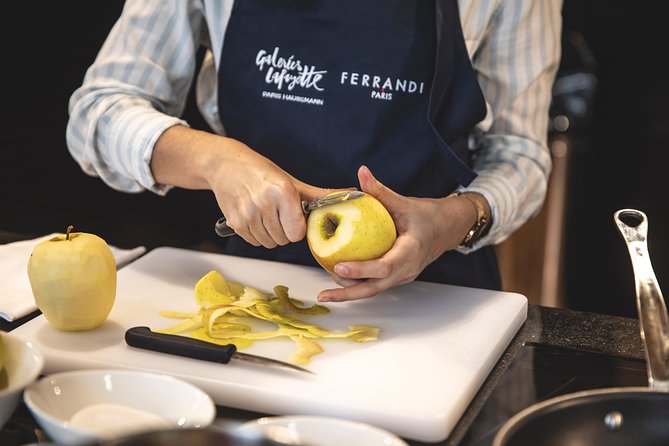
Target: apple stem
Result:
[67, 233]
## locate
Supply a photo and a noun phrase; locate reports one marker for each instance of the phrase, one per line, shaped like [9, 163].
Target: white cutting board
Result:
[436, 346]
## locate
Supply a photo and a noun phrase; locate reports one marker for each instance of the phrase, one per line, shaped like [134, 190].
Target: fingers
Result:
[261, 225]
[369, 269]
[341, 281]
[364, 279]
[372, 186]
[268, 232]
[291, 222]
[361, 290]
[368, 182]
[396, 204]
[251, 229]
[360, 280]
[273, 223]
[272, 215]
[291, 217]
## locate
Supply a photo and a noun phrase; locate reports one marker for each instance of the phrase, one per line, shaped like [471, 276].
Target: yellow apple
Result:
[73, 280]
[353, 230]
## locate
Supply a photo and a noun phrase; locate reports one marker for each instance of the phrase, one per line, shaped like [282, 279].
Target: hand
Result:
[426, 228]
[261, 202]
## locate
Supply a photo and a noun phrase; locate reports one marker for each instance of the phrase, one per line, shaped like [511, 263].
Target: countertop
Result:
[549, 336]
[594, 341]
[570, 333]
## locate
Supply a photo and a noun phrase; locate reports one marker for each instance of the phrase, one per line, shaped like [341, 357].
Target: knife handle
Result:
[222, 228]
[143, 337]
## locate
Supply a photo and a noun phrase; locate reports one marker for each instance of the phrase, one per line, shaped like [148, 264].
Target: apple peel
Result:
[225, 306]
[179, 314]
[201, 334]
[213, 289]
[282, 294]
[306, 348]
[187, 325]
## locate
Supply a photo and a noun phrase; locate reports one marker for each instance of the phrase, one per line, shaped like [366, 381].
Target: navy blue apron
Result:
[321, 87]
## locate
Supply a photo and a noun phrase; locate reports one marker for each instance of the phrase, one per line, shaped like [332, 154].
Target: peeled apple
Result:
[73, 280]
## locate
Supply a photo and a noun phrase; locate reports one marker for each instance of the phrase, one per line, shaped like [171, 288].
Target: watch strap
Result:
[480, 226]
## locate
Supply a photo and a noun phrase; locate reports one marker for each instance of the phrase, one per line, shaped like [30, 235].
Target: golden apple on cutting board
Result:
[351, 230]
[73, 280]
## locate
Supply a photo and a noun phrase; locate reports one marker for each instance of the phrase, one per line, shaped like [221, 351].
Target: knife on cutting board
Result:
[223, 230]
[143, 337]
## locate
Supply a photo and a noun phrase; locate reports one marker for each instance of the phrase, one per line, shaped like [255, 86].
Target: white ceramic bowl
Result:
[319, 431]
[87, 406]
[23, 365]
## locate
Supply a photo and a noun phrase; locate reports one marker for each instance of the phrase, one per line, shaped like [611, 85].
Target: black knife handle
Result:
[143, 337]
[222, 228]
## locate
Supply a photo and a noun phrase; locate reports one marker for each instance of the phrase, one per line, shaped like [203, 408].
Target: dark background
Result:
[621, 159]
[618, 161]
[43, 189]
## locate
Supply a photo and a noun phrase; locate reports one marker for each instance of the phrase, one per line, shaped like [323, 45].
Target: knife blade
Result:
[145, 338]
[223, 230]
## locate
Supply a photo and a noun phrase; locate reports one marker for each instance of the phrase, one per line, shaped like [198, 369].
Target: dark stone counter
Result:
[573, 334]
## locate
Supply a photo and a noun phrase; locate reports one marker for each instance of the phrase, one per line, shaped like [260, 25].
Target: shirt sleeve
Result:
[135, 89]
[516, 66]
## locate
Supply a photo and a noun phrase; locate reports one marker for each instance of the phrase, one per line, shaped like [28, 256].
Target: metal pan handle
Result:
[653, 318]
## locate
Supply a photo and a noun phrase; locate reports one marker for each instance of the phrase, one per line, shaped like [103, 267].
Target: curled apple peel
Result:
[229, 312]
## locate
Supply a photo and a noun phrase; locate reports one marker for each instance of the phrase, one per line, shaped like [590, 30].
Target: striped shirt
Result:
[138, 85]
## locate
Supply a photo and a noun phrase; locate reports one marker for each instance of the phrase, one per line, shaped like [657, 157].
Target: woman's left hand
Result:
[426, 228]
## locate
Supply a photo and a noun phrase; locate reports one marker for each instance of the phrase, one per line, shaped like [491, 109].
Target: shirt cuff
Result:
[146, 132]
[492, 188]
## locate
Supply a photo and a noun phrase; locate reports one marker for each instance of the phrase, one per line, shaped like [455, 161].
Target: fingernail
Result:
[341, 270]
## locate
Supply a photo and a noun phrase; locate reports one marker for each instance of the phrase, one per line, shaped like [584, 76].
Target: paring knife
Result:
[143, 337]
[223, 230]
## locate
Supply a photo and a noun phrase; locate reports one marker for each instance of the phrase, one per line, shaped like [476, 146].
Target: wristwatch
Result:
[482, 221]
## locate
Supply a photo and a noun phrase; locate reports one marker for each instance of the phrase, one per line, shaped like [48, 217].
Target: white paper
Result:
[16, 297]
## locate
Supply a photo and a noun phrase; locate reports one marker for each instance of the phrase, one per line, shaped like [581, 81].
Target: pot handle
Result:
[653, 319]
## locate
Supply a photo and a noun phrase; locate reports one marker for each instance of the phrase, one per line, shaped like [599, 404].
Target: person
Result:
[438, 108]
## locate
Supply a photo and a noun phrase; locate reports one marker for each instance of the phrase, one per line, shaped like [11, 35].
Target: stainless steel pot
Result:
[620, 415]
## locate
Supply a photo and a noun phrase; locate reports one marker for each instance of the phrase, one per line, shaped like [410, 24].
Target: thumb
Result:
[308, 192]
[369, 184]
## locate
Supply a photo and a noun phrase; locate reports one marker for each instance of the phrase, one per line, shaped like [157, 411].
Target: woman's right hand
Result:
[261, 202]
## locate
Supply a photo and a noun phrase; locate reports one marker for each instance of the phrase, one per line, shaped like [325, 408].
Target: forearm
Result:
[187, 158]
